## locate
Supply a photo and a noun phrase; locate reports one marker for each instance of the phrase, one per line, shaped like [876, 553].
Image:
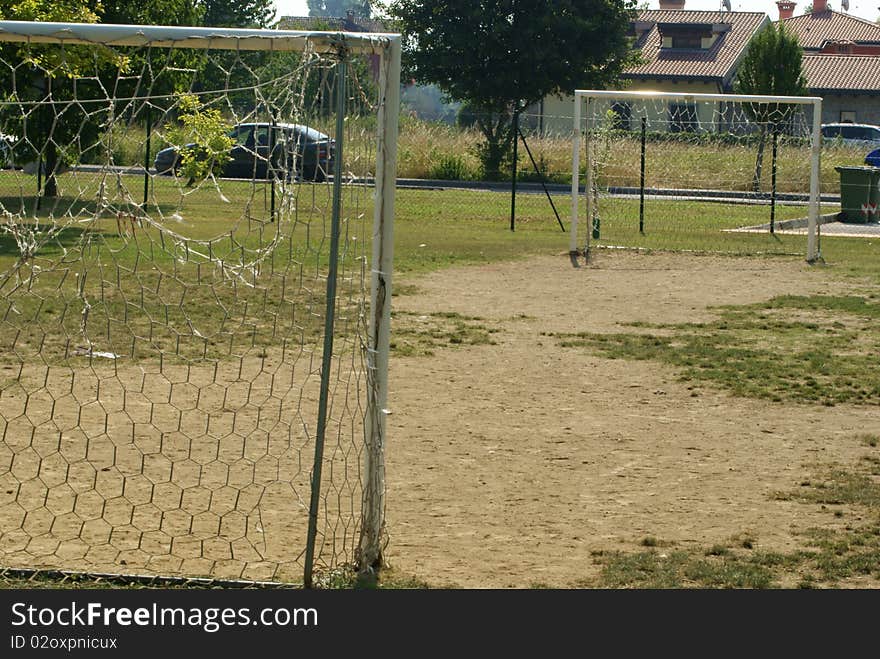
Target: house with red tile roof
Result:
[681, 51]
[841, 61]
[691, 51]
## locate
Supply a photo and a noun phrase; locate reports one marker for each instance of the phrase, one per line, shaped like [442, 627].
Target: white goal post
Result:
[605, 120]
[201, 371]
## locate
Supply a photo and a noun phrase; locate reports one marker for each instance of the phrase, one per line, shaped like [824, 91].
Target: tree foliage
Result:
[153, 12]
[201, 137]
[238, 13]
[56, 131]
[339, 8]
[771, 66]
[500, 56]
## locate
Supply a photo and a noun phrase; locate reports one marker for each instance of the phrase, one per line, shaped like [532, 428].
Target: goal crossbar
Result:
[191, 37]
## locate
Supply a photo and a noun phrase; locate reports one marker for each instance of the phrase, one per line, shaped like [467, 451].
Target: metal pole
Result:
[513, 175]
[270, 167]
[642, 178]
[39, 179]
[575, 178]
[147, 157]
[379, 340]
[591, 202]
[813, 252]
[773, 182]
[541, 178]
[329, 318]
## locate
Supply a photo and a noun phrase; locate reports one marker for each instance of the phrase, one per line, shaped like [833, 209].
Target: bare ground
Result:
[512, 464]
[508, 465]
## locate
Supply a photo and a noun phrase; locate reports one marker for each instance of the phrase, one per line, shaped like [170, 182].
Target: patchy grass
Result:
[830, 556]
[837, 487]
[417, 334]
[819, 349]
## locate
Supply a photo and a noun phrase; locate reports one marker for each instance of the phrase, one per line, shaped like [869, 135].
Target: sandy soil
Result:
[509, 464]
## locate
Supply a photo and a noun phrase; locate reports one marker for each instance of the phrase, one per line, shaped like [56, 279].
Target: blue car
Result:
[873, 158]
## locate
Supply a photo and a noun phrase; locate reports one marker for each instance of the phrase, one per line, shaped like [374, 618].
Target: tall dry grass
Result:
[429, 150]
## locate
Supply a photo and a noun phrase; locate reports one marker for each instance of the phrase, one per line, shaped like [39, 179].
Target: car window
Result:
[856, 133]
[852, 132]
[262, 135]
[310, 134]
[243, 136]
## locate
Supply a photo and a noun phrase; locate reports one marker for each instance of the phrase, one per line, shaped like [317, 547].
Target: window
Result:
[688, 36]
[243, 136]
[860, 133]
[687, 41]
[262, 135]
[683, 117]
[847, 117]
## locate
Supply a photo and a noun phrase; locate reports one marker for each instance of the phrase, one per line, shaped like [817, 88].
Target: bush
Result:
[451, 168]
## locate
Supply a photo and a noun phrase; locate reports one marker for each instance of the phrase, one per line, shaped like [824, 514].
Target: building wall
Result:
[851, 49]
[866, 108]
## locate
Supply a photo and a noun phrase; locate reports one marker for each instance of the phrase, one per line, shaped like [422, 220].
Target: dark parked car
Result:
[293, 150]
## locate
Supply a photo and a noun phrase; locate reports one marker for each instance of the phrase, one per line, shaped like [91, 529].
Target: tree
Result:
[772, 66]
[154, 12]
[339, 8]
[500, 56]
[54, 129]
[202, 139]
[238, 13]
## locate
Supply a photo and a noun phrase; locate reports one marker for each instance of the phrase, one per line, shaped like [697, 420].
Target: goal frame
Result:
[584, 97]
[387, 46]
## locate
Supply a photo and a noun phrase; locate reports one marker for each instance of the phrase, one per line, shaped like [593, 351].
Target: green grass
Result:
[680, 569]
[819, 349]
[155, 288]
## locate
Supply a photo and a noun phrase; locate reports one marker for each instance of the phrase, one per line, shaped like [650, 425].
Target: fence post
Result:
[642, 178]
[513, 176]
[147, 157]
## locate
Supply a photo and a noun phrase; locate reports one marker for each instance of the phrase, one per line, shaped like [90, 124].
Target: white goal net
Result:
[700, 172]
[194, 298]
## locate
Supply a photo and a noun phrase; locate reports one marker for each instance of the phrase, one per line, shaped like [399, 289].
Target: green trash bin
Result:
[859, 194]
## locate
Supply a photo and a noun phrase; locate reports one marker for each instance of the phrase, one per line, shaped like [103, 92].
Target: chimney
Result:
[820, 6]
[672, 5]
[786, 9]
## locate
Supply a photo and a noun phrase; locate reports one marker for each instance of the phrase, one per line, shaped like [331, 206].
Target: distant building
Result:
[841, 61]
[350, 23]
[681, 51]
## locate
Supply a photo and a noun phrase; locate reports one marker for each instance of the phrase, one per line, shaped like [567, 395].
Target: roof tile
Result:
[815, 30]
[842, 73]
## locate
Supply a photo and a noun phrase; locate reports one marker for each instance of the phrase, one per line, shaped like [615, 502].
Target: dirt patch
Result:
[512, 464]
